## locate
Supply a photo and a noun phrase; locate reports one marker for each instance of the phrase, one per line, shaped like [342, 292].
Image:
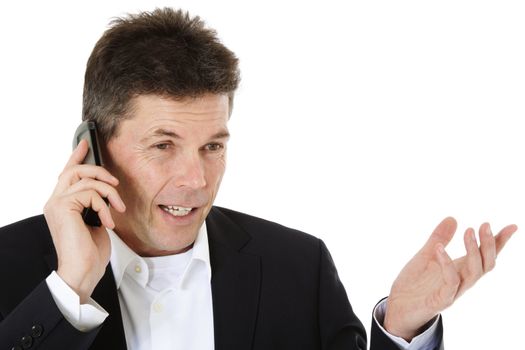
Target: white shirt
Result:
[166, 302]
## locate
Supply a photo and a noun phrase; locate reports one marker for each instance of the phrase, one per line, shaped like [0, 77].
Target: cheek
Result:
[137, 184]
[138, 177]
[215, 169]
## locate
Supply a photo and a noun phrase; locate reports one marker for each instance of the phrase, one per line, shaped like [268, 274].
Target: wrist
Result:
[398, 321]
[80, 285]
[396, 328]
[402, 323]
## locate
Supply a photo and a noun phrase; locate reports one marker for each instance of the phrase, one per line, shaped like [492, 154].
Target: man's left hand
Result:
[432, 281]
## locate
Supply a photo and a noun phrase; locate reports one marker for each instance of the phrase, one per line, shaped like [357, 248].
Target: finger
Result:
[102, 188]
[449, 274]
[487, 247]
[75, 173]
[442, 234]
[88, 199]
[474, 264]
[503, 237]
[78, 155]
[91, 199]
[104, 214]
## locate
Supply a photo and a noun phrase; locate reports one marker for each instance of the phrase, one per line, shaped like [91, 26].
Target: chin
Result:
[173, 241]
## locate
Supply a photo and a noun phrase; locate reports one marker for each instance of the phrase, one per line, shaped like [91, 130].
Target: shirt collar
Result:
[201, 252]
[123, 259]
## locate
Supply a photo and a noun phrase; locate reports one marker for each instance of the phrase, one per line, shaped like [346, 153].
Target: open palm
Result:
[431, 281]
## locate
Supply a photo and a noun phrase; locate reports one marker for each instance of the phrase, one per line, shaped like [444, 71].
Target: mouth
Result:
[175, 210]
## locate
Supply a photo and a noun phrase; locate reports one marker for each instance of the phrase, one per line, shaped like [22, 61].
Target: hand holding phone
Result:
[83, 250]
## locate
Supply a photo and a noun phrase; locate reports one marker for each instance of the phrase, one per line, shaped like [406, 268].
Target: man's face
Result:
[170, 158]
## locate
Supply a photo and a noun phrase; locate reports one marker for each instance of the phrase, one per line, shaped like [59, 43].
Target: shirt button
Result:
[157, 307]
[138, 269]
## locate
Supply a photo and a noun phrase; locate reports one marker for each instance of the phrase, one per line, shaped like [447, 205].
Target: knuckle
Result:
[103, 171]
[473, 276]
[490, 265]
[62, 175]
[84, 180]
[97, 200]
[51, 204]
[113, 192]
[70, 174]
[470, 281]
[87, 182]
[93, 194]
[477, 275]
[474, 270]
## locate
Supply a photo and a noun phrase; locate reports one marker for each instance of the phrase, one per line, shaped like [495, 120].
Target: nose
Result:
[189, 170]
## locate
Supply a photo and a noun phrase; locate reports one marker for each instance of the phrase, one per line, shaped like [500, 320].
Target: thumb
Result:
[442, 234]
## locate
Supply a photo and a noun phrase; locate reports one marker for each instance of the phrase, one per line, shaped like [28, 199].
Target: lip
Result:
[178, 205]
[179, 220]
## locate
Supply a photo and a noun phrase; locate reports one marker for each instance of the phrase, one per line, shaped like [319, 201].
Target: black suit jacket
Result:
[272, 288]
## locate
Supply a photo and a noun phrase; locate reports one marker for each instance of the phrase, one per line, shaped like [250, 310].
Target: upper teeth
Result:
[175, 210]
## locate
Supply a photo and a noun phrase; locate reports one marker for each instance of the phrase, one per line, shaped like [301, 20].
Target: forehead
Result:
[201, 108]
[201, 114]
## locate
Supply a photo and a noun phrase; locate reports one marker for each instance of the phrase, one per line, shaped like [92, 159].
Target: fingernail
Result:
[122, 205]
[489, 231]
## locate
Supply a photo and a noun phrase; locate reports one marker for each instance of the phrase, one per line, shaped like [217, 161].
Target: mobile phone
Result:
[88, 130]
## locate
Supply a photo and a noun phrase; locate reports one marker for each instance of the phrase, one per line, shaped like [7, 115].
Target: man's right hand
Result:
[83, 251]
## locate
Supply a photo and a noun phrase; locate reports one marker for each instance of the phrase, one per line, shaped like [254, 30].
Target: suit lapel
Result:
[236, 279]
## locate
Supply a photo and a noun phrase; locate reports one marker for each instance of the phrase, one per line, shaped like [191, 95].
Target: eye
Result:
[213, 147]
[162, 146]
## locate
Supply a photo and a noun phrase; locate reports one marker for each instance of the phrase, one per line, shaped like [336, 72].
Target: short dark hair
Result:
[163, 52]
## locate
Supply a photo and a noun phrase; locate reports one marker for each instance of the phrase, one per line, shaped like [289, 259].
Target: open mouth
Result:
[176, 210]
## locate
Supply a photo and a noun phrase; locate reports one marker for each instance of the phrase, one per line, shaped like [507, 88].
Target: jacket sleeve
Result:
[37, 323]
[379, 340]
[339, 327]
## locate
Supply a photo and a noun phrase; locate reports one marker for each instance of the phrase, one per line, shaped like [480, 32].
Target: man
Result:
[169, 270]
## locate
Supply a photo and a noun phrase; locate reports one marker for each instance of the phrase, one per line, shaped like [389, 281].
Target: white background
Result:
[364, 123]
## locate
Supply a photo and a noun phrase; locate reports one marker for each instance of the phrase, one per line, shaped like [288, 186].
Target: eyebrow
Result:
[164, 132]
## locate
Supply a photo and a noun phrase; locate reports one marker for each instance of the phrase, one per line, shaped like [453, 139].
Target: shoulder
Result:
[270, 237]
[25, 236]
[257, 226]
[26, 259]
